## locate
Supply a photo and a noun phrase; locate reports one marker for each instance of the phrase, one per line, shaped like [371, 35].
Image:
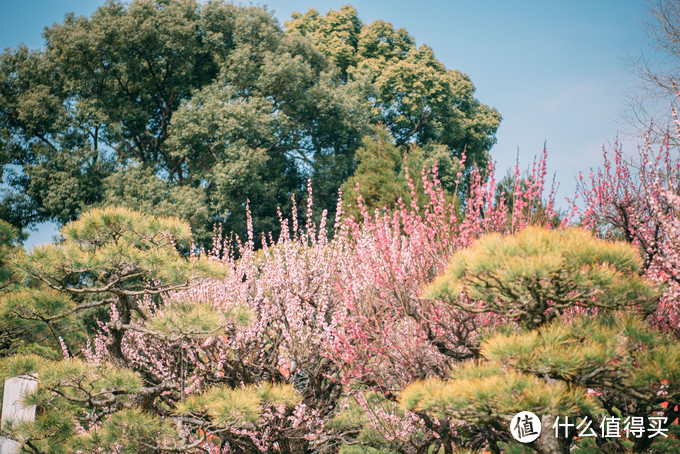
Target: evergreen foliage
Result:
[9, 237]
[579, 347]
[123, 265]
[189, 109]
[386, 174]
[107, 259]
[415, 96]
[537, 274]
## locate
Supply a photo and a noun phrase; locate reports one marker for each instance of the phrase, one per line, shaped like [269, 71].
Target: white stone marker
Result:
[13, 408]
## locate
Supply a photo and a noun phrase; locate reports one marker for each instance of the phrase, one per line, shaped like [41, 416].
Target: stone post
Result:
[13, 408]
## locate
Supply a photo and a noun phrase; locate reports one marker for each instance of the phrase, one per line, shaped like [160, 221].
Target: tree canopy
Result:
[574, 344]
[537, 275]
[177, 107]
[415, 95]
[386, 173]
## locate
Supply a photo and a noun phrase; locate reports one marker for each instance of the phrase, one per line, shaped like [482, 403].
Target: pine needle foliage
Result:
[122, 267]
[108, 259]
[25, 324]
[537, 274]
[492, 394]
[591, 366]
[239, 407]
[576, 344]
[9, 237]
[115, 250]
[129, 431]
[620, 353]
[180, 320]
[64, 388]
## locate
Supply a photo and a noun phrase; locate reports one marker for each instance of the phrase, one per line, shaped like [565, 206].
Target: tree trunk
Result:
[114, 344]
[547, 443]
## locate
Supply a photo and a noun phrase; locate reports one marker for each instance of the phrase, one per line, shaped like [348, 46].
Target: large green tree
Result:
[414, 94]
[176, 107]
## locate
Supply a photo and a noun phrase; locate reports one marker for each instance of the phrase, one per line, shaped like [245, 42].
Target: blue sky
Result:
[558, 71]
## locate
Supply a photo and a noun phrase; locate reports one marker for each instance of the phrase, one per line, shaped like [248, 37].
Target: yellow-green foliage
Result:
[21, 365]
[49, 433]
[98, 228]
[64, 387]
[24, 315]
[115, 247]
[539, 278]
[128, 431]
[73, 378]
[548, 370]
[620, 350]
[538, 270]
[234, 407]
[183, 319]
[104, 377]
[28, 303]
[108, 256]
[487, 392]
[277, 394]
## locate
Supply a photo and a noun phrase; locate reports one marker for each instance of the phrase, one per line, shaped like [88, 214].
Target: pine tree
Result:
[575, 344]
[125, 265]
